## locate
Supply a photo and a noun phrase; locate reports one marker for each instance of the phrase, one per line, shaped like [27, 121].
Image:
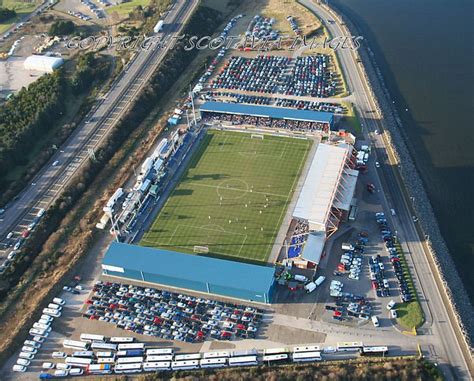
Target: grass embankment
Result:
[125, 8]
[21, 8]
[351, 120]
[410, 315]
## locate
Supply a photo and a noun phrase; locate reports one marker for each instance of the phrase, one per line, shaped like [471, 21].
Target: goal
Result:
[201, 249]
[256, 136]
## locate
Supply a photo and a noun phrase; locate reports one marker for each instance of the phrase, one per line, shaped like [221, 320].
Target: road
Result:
[444, 346]
[51, 180]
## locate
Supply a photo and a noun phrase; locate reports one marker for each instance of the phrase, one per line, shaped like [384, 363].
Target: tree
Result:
[62, 28]
[6, 14]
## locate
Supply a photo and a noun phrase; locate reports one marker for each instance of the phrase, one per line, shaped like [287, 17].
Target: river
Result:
[426, 53]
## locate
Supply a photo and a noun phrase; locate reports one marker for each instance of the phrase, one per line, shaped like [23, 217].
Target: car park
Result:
[168, 315]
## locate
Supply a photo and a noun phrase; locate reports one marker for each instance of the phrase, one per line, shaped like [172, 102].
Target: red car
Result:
[157, 320]
[226, 335]
[25, 233]
[89, 301]
[337, 313]
[374, 284]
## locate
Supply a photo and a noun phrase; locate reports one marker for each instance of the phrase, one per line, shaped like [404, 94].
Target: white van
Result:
[320, 280]
[52, 312]
[40, 326]
[310, 287]
[301, 278]
[375, 321]
[347, 246]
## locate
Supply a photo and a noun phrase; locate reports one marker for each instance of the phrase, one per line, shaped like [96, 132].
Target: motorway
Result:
[442, 343]
[51, 180]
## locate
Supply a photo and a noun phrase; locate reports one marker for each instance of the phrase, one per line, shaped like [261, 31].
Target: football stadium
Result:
[231, 200]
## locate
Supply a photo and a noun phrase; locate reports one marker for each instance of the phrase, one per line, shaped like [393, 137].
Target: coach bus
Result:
[159, 351]
[123, 339]
[307, 356]
[102, 345]
[89, 338]
[156, 358]
[213, 362]
[280, 357]
[374, 351]
[182, 365]
[215, 355]
[73, 344]
[99, 369]
[128, 368]
[105, 354]
[275, 351]
[243, 361]
[156, 366]
[308, 348]
[129, 360]
[83, 354]
[190, 356]
[122, 347]
[78, 361]
[349, 346]
[105, 360]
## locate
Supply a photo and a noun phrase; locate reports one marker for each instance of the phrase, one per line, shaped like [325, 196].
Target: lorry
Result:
[159, 25]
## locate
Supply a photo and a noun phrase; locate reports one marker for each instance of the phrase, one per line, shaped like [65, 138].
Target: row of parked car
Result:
[16, 243]
[39, 332]
[169, 315]
[311, 105]
[310, 76]
[394, 256]
[261, 74]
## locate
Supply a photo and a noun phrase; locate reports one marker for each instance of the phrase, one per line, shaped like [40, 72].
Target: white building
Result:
[42, 63]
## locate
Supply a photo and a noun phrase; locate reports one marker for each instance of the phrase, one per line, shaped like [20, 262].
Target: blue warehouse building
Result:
[191, 272]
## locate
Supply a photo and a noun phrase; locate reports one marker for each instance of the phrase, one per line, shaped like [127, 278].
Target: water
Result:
[425, 51]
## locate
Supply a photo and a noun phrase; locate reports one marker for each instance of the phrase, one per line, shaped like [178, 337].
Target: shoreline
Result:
[414, 185]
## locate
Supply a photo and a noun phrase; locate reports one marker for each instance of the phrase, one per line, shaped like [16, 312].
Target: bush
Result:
[62, 28]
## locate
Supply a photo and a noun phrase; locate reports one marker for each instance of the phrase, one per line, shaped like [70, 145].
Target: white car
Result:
[19, 368]
[377, 164]
[26, 356]
[55, 163]
[28, 349]
[32, 343]
[393, 314]
[375, 321]
[23, 362]
[58, 355]
[391, 304]
[9, 235]
[38, 339]
[48, 365]
[11, 256]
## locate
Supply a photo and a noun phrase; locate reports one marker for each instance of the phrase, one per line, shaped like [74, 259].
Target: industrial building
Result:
[190, 272]
[267, 112]
[42, 63]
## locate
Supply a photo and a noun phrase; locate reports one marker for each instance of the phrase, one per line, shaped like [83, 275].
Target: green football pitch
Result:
[232, 198]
